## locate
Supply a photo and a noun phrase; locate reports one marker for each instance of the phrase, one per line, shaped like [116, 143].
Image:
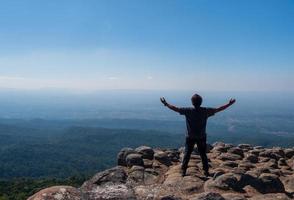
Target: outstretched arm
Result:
[221, 108]
[172, 107]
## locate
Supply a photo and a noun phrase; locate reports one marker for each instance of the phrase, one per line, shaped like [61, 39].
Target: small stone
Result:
[218, 144]
[289, 153]
[229, 156]
[255, 151]
[173, 155]
[282, 162]
[271, 164]
[245, 146]
[251, 158]
[246, 165]
[230, 164]
[236, 150]
[221, 149]
[162, 157]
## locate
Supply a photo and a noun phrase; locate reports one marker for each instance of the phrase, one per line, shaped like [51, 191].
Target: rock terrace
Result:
[237, 173]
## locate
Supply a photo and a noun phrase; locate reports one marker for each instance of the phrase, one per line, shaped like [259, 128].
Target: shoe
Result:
[183, 172]
[206, 173]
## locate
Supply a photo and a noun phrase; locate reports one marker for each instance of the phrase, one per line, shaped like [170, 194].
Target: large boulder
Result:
[147, 152]
[112, 192]
[272, 153]
[134, 159]
[173, 155]
[289, 183]
[223, 182]
[58, 193]
[136, 175]
[229, 156]
[122, 155]
[187, 184]
[221, 149]
[269, 183]
[150, 176]
[116, 175]
[109, 185]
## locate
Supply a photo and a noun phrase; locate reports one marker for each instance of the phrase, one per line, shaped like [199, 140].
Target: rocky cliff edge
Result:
[237, 173]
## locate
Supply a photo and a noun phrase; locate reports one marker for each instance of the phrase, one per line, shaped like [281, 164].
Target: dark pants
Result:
[189, 146]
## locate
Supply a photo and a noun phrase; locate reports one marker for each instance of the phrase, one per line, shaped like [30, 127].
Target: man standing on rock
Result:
[196, 118]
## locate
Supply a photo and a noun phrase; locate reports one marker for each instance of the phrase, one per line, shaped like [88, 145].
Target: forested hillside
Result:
[36, 155]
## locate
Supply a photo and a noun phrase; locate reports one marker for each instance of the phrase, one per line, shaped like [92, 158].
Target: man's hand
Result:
[162, 99]
[170, 106]
[232, 101]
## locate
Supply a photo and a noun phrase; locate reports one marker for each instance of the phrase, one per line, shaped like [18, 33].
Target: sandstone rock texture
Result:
[237, 173]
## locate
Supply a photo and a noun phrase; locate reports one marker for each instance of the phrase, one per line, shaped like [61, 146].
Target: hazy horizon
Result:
[136, 104]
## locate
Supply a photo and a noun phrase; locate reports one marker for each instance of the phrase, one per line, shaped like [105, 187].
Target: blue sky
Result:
[239, 45]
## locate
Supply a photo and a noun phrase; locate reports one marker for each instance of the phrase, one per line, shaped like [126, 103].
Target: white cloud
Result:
[11, 78]
[119, 69]
[112, 78]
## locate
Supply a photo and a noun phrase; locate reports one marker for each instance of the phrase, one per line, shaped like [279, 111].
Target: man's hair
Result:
[196, 100]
